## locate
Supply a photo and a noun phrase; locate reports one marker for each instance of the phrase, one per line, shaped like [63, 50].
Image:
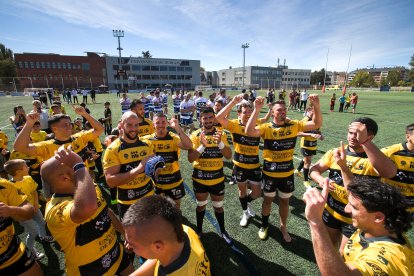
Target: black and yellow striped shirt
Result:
[308, 142]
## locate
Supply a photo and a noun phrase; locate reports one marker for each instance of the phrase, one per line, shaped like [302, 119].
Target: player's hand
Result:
[360, 130]
[5, 210]
[141, 166]
[315, 203]
[80, 110]
[203, 139]
[217, 137]
[237, 99]
[32, 118]
[259, 102]
[67, 156]
[340, 155]
[174, 123]
[314, 100]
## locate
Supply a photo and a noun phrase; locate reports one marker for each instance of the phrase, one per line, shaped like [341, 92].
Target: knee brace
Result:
[202, 203]
[283, 195]
[218, 204]
[272, 194]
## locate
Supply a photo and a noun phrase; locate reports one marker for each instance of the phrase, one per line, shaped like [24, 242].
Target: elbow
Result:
[110, 181]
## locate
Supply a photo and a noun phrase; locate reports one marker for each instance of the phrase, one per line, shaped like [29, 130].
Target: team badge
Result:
[131, 194]
[126, 155]
[106, 261]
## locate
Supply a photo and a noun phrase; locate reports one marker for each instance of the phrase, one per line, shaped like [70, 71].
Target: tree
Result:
[393, 77]
[318, 76]
[411, 73]
[5, 53]
[363, 79]
[146, 54]
[7, 66]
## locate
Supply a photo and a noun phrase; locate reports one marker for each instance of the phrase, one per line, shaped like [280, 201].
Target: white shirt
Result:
[304, 96]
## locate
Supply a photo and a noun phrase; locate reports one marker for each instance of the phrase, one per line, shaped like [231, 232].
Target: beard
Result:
[131, 137]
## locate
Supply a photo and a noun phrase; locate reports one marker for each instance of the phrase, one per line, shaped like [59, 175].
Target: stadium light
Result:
[119, 34]
[244, 46]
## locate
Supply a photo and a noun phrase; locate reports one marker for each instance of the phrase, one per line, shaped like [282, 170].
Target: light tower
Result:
[119, 34]
[244, 46]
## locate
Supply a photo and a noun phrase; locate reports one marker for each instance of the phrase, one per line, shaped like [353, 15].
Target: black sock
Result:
[200, 218]
[306, 173]
[113, 192]
[300, 165]
[243, 201]
[265, 220]
[220, 220]
[249, 198]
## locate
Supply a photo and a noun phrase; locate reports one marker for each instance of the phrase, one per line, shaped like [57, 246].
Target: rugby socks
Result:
[200, 218]
[220, 220]
[306, 174]
[265, 220]
[249, 198]
[300, 165]
[243, 201]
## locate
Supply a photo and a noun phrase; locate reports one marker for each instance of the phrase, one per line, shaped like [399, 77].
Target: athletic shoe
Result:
[46, 239]
[227, 238]
[263, 233]
[298, 173]
[38, 255]
[245, 218]
[307, 184]
[231, 182]
[250, 210]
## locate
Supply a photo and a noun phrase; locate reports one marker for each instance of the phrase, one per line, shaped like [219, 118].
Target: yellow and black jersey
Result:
[308, 142]
[208, 168]
[128, 156]
[404, 178]
[193, 259]
[146, 127]
[91, 247]
[27, 186]
[78, 141]
[279, 144]
[33, 162]
[379, 255]
[359, 165]
[246, 148]
[97, 144]
[11, 248]
[170, 176]
[3, 140]
[38, 136]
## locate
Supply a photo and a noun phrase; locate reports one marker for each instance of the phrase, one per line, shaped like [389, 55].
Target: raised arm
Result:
[316, 121]
[251, 129]
[185, 142]
[22, 142]
[85, 201]
[223, 146]
[316, 172]
[221, 117]
[381, 163]
[340, 159]
[19, 213]
[98, 128]
[268, 114]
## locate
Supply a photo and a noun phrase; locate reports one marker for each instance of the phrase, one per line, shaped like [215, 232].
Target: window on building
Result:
[58, 65]
[155, 77]
[37, 65]
[146, 77]
[20, 64]
[69, 66]
[126, 67]
[53, 65]
[136, 68]
[172, 77]
[180, 69]
[163, 68]
[32, 64]
[146, 68]
[172, 68]
[85, 67]
[115, 67]
[155, 68]
[188, 69]
[43, 64]
[26, 64]
[63, 65]
[48, 65]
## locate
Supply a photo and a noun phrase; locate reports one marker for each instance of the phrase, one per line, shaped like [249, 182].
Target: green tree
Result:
[393, 77]
[146, 54]
[5, 53]
[363, 79]
[7, 68]
[318, 76]
[411, 73]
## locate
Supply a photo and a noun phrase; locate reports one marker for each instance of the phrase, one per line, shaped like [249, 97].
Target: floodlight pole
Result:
[244, 46]
[119, 34]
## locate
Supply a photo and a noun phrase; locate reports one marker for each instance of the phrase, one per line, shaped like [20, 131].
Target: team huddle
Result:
[362, 212]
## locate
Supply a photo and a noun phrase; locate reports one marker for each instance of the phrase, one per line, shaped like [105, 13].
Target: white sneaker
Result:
[38, 255]
[250, 210]
[245, 219]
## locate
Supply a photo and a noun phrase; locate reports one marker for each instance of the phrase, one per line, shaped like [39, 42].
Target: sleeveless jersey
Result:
[246, 148]
[208, 168]
[90, 247]
[11, 248]
[404, 179]
[279, 144]
[170, 176]
[129, 156]
[379, 255]
[192, 261]
[360, 166]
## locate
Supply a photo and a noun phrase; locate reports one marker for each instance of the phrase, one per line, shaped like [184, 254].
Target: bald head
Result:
[127, 115]
[52, 171]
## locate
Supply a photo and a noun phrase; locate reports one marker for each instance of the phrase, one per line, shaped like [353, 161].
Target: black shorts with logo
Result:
[307, 152]
[173, 193]
[283, 184]
[346, 229]
[243, 175]
[26, 261]
[217, 189]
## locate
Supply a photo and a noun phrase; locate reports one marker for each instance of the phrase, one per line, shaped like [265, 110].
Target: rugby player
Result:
[186, 113]
[124, 164]
[365, 160]
[168, 144]
[146, 127]
[210, 145]
[279, 143]
[246, 165]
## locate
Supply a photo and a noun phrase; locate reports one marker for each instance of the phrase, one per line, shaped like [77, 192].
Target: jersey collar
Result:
[180, 261]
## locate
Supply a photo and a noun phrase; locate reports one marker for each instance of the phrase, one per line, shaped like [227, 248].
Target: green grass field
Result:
[392, 111]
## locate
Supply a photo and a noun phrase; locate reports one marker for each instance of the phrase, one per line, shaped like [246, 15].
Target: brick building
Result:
[40, 70]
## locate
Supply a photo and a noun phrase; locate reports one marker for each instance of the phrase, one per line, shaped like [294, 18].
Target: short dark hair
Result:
[135, 102]
[12, 166]
[151, 207]
[279, 102]
[240, 106]
[379, 197]
[409, 129]
[372, 126]
[160, 115]
[207, 109]
[56, 119]
[107, 103]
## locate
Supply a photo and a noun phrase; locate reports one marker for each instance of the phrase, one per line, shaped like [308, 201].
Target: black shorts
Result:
[307, 152]
[173, 193]
[243, 175]
[26, 261]
[217, 189]
[346, 229]
[283, 184]
[122, 208]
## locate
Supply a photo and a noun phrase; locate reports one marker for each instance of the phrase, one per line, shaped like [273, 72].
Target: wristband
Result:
[201, 149]
[221, 145]
[78, 166]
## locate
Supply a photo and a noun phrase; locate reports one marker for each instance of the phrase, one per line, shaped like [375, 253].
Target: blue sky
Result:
[300, 31]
